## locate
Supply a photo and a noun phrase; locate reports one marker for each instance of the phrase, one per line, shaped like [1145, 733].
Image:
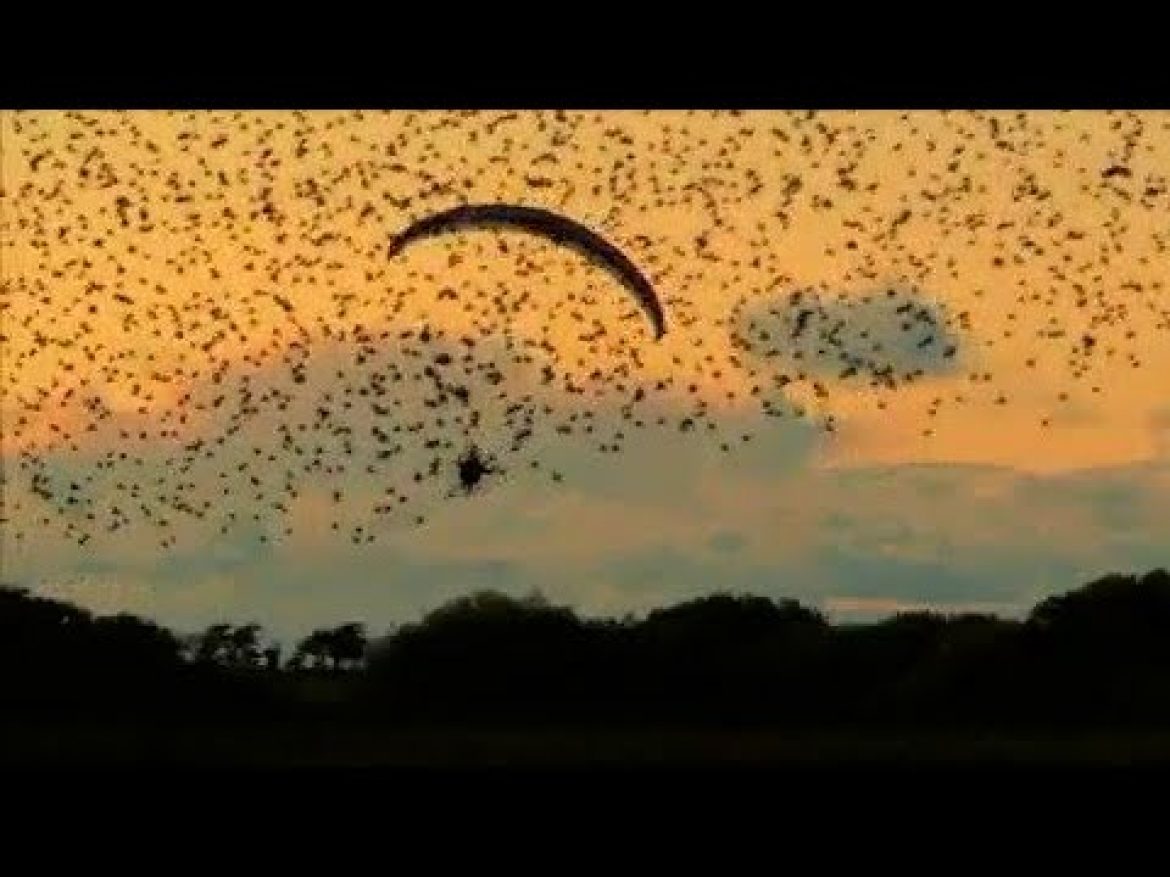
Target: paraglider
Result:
[473, 466]
[554, 226]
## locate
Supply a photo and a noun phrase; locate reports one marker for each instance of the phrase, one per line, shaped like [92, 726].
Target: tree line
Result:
[1099, 654]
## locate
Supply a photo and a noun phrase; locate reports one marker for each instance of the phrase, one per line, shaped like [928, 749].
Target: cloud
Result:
[859, 335]
[726, 542]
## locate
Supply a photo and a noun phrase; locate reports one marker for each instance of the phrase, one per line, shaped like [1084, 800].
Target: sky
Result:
[1023, 449]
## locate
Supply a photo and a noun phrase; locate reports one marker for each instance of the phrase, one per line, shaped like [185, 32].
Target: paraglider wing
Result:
[554, 226]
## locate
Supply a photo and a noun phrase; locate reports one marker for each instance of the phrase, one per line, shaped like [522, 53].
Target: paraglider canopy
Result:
[554, 226]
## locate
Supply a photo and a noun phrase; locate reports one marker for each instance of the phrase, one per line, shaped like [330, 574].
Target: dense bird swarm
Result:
[201, 321]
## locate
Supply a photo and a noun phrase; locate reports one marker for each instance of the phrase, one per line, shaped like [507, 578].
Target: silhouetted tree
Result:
[215, 645]
[336, 648]
[949, 668]
[235, 646]
[312, 651]
[245, 645]
[487, 653]
[727, 655]
[346, 645]
[1103, 650]
[58, 657]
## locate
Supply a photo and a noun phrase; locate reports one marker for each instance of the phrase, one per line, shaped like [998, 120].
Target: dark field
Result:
[271, 745]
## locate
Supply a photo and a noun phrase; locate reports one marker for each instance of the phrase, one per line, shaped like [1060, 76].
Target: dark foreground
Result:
[284, 745]
[489, 680]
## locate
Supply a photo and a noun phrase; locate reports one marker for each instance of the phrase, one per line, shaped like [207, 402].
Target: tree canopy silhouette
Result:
[1096, 655]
